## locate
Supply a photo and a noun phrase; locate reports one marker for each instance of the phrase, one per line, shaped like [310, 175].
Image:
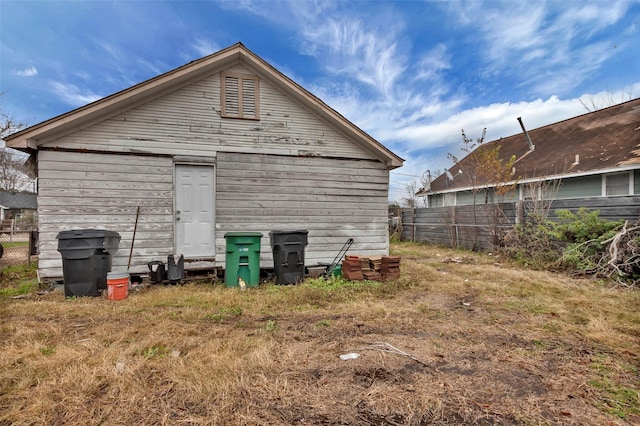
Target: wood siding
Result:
[466, 226]
[103, 191]
[454, 226]
[188, 122]
[333, 199]
[288, 171]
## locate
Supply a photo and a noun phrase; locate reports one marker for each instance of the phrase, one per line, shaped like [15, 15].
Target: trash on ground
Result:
[351, 355]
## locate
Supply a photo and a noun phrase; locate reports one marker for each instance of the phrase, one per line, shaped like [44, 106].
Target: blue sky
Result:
[410, 73]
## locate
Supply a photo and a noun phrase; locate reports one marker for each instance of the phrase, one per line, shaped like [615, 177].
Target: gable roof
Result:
[18, 200]
[597, 142]
[28, 139]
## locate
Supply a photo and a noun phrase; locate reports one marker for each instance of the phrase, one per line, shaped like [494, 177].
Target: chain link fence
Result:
[17, 247]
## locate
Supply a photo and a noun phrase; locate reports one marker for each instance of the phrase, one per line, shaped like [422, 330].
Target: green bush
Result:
[533, 244]
[575, 242]
[585, 232]
[583, 226]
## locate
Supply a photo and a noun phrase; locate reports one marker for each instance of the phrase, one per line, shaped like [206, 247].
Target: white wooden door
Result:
[194, 215]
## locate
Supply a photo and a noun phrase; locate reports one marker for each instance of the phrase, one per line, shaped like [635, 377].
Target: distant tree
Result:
[593, 103]
[12, 169]
[489, 176]
[429, 176]
[394, 208]
[424, 182]
[411, 201]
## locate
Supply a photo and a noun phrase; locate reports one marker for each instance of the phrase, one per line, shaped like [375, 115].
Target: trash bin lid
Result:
[287, 232]
[243, 234]
[86, 233]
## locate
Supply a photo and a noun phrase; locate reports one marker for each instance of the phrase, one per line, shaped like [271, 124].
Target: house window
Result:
[449, 199]
[618, 184]
[240, 96]
[531, 192]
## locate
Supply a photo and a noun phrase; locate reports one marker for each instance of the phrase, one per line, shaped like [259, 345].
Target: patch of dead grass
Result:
[497, 345]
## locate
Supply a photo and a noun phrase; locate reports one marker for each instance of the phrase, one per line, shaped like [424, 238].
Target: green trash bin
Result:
[243, 258]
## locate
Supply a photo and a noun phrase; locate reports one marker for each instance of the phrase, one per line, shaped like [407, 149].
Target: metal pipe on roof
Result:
[532, 147]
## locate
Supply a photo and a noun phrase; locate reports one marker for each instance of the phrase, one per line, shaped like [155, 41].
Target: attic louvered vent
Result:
[240, 96]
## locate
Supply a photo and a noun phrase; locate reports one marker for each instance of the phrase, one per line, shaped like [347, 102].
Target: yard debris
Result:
[386, 347]
[351, 355]
[21, 296]
[48, 290]
[622, 255]
[373, 268]
[617, 258]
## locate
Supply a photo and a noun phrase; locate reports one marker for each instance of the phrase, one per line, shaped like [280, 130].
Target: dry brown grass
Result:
[496, 344]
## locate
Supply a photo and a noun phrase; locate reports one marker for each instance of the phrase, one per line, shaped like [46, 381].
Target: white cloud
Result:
[83, 75]
[350, 47]
[425, 147]
[204, 47]
[112, 50]
[155, 69]
[433, 63]
[364, 48]
[499, 119]
[552, 52]
[72, 95]
[27, 72]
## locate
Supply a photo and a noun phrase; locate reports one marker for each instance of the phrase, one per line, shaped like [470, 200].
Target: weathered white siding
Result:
[334, 199]
[290, 170]
[103, 191]
[187, 122]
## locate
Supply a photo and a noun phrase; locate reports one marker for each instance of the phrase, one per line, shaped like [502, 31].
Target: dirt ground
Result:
[465, 374]
[450, 343]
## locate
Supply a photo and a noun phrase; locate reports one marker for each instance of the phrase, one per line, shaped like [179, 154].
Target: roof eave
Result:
[536, 179]
[85, 116]
[391, 160]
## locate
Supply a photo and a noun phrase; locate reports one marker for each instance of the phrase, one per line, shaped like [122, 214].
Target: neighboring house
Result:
[592, 155]
[17, 205]
[224, 143]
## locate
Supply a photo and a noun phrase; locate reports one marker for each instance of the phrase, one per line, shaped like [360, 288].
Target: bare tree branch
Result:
[12, 163]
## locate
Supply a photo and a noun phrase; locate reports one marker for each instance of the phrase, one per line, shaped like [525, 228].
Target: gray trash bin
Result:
[175, 267]
[86, 259]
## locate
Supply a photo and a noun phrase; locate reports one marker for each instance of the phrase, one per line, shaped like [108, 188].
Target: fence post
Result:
[454, 228]
[519, 212]
[413, 225]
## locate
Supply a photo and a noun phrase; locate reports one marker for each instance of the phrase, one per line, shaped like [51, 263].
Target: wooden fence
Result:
[480, 227]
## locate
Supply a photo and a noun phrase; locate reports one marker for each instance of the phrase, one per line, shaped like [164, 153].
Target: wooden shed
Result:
[224, 143]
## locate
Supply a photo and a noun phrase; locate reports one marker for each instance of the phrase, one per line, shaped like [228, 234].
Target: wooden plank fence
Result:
[480, 227]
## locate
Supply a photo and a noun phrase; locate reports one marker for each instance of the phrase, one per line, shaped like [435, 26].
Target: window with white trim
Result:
[617, 184]
[239, 95]
[449, 199]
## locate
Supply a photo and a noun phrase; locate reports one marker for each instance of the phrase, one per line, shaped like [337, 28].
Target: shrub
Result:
[575, 242]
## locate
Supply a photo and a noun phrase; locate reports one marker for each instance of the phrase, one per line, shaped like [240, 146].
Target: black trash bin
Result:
[288, 255]
[157, 273]
[86, 259]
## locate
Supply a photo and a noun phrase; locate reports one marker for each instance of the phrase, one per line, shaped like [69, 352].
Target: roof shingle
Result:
[597, 141]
